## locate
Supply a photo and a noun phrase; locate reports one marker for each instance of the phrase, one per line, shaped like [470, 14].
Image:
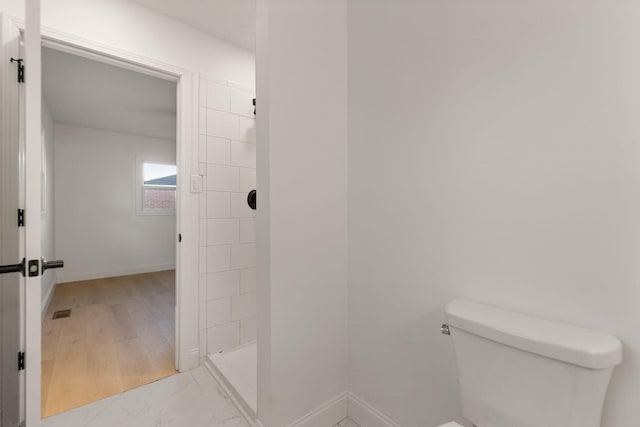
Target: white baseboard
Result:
[326, 415]
[47, 298]
[189, 361]
[67, 276]
[366, 415]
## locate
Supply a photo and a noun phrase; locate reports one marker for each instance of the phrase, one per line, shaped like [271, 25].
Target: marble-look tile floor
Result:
[190, 399]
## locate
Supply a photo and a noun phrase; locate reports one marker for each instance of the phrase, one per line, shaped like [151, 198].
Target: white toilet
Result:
[516, 370]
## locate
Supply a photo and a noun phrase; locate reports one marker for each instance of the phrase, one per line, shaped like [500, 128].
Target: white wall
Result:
[126, 25]
[98, 232]
[493, 154]
[47, 227]
[227, 153]
[302, 208]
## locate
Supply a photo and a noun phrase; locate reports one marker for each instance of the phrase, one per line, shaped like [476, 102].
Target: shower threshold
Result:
[237, 373]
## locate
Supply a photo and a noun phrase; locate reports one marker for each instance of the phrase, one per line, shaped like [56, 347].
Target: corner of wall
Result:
[366, 415]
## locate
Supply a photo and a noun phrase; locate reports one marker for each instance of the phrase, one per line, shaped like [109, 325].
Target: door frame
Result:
[187, 220]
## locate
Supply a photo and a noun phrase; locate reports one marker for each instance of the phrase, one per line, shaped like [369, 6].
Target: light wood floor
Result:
[120, 336]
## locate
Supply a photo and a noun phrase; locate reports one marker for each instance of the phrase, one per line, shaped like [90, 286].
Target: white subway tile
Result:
[223, 337]
[218, 311]
[247, 180]
[222, 125]
[243, 306]
[222, 284]
[221, 231]
[242, 102]
[241, 86]
[218, 97]
[243, 154]
[218, 204]
[222, 178]
[246, 129]
[218, 150]
[215, 79]
[247, 230]
[248, 330]
[239, 206]
[248, 280]
[243, 255]
[218, 258]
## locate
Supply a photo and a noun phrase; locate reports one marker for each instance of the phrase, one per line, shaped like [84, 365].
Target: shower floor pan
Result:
[237, 372]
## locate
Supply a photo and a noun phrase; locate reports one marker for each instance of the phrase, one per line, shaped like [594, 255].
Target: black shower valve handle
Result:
[251, 199]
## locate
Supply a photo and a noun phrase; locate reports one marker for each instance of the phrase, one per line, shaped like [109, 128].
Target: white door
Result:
[20, 198]
[11, 279]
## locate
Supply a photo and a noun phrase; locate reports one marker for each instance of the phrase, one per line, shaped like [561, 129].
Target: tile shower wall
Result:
[227, 153]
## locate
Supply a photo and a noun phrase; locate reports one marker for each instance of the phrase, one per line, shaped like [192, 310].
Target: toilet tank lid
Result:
[557, 340]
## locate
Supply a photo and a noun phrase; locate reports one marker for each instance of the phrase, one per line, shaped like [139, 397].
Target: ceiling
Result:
[230, 20]
[84, 92]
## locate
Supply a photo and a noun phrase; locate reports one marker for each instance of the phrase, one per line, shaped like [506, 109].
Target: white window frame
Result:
[140, 161]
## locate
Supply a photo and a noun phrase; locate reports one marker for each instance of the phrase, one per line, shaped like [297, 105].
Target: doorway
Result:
[108, 209]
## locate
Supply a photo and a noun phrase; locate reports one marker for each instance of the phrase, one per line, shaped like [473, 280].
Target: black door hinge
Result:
[179, 237]
[20, 217]
[21, 361]
[20, 69]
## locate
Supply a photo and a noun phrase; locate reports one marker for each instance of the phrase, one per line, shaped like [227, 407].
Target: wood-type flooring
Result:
[120, 335]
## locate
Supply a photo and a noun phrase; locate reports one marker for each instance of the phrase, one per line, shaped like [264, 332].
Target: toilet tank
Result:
[516, 370]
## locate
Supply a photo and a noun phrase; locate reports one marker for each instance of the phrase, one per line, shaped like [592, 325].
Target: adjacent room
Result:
[109, 211]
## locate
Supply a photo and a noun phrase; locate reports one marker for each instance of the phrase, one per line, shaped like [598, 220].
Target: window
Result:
[157, 193]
